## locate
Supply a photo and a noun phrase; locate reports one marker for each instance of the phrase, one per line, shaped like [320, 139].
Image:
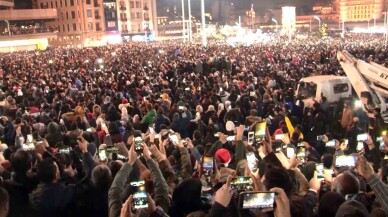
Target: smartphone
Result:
[362, 137]
[231, 138]
[251, 160]
[28, 147]
[301, 154]
[207, 165]
[102, 155]
[330, 143]
[61, 121]
[379, 140]
[252, 93]
[64, 150]
[138, 143]
[173, 139]
[320, 137]
[187, 89]
[30, 139]
[290, 152]
[242, 183]
[260, 130]
[103, 125]
[279, 137]
[89, 130]
[251, 137]
[256, 200]
[152, 130]
[360, 146]
[320, 172]
[221, 89]
[180, 107]
[216, 134]
[345, 161]
[139, 200]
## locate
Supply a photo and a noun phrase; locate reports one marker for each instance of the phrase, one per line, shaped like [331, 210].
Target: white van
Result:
[332, 87]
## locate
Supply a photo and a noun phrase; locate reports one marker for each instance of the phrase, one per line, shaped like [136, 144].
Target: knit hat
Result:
[352, 208]
[223, 155]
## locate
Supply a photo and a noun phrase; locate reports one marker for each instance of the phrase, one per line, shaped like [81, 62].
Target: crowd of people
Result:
[170, 128]
[28, 29]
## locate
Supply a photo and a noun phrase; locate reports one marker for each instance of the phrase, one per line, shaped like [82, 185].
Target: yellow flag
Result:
[291, 128]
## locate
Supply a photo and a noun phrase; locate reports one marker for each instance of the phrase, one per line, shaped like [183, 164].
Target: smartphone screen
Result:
[360, 146]
[330, 143]
[29, 139]
[180, 107]
[242, 183]
[379, 140]
[231, 138]
[89, 130]
[138, 143]
[174, 139]
[208, 165]
[28, 147]
[251, 160]
[251, 137]
[319, 169]
[139, 200]
[290, 152]
[102, 155]
[260, 130]
[103, 125]
[320, 137]
[279, 137]
[257, 200]
[362, 137]
[301, 154]
[346, 161]
[64, 150]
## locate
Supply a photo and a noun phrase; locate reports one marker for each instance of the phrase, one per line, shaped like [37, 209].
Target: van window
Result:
[341, 88]
[307, 90]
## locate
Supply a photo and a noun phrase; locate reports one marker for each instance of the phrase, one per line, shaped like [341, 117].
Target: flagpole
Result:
[252, 16]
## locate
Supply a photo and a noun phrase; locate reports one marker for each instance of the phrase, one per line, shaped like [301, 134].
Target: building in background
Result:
[137, 17]
[360, 10]
[80, 22]
[223, 12]
[110, 12]
[25, 29]
[6, 4]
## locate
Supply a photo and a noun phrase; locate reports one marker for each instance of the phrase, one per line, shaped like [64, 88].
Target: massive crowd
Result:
[175, 129]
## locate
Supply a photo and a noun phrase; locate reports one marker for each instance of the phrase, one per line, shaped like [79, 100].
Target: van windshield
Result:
[307, 90]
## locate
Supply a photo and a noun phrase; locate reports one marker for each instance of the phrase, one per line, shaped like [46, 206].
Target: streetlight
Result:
[319, 20]
[204, 42]
[183, 21]
[275, 21]
[190, 27]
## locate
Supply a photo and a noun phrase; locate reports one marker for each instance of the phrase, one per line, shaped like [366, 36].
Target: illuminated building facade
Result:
[25, 29]
[80, 22]
[137, 16]
[360, 10]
